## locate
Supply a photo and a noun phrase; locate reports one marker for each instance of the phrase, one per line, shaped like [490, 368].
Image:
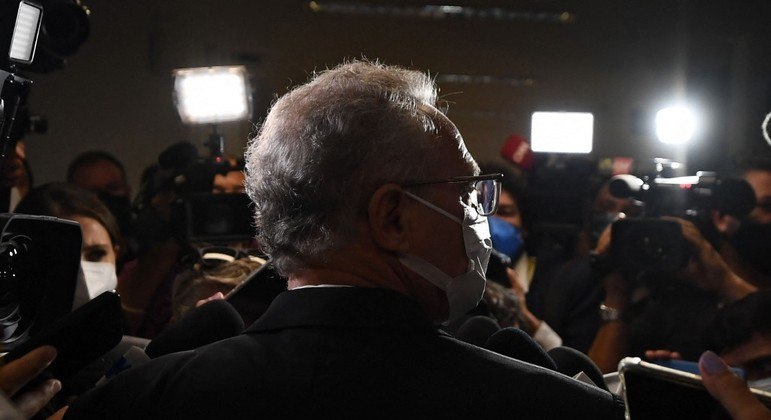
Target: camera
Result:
[197, 215]
[33, 295]
[651, 244]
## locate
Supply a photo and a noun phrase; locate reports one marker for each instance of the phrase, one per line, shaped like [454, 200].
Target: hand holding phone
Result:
[732, 392]
[17, 374]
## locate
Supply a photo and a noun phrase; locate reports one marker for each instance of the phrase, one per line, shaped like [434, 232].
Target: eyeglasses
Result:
[487, 187]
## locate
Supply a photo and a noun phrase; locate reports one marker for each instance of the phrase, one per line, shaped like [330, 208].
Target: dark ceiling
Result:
[495, 62]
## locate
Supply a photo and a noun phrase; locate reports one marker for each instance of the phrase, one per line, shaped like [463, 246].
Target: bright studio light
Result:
[25, 32]
[675, 125]
[562, 132]
[207, 95]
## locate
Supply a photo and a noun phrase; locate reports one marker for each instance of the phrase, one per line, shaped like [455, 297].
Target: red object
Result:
[517, 150]
[622, 165]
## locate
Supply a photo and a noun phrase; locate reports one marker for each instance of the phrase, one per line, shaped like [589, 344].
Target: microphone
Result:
[517, 151]
[477, 329]
[571, 362]
[134, 356]
[213, 321]
[625, 186]
[516, 344]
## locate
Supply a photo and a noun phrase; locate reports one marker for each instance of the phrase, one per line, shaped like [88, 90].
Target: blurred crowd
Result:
[566, 267]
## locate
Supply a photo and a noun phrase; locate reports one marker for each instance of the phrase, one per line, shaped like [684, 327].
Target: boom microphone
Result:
[477, 329]
[517, 151]
[516, 344]
[213, 321]
[570, 362]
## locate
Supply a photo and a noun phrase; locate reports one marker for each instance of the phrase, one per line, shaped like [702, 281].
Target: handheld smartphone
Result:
[692, 367]
[79, 337]
[252, 296]
[652, 391]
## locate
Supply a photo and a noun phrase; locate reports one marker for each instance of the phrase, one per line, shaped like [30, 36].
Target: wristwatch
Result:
[608, 314]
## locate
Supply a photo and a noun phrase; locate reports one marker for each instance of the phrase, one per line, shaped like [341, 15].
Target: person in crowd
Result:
[745, 241]
[101, 236]
[662, 310]
[730, 390]
[741, 335]
[15, 177]
[103, 174]
[203, 281]
[163, 246]
[566, 294]
[368, 201]
[100, 172]
[510, 265]
[232, 181]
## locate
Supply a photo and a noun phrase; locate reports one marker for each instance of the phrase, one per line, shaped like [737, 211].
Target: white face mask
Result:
[94, 278]
[764, 384]
[465, 291]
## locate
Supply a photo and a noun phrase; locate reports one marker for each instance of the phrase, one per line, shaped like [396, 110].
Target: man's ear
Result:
[386, 213]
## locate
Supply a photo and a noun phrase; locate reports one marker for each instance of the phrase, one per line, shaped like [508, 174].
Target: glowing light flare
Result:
[211, 94]
[676, 125]
[562, 132]
[25, 33]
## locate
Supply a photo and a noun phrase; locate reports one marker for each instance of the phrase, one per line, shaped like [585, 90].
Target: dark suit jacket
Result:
[343, 352]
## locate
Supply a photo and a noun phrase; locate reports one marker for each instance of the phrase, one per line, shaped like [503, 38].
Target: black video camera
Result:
[197, 214]
[39, 260]
[61, 31]
[651, 244]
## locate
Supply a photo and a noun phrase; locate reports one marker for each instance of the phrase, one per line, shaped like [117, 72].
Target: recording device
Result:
[79, 337]
[213, 321]
[477, 330]
[515, 343]
[572, 362]
[14, 89]
[218, 218]
[36, 42]
[39, 260]
[198, 215]
[656, 392]
[648, 243]
[517, 150]
[692, 367]
[253, 296]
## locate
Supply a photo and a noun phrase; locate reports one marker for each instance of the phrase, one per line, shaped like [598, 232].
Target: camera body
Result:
[651, 244]
[39, 260]
[197, 215]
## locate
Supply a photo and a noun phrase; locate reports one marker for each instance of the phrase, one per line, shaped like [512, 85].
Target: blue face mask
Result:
[507, 239]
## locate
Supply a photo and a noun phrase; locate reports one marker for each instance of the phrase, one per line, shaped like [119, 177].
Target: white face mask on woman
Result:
[94, 278]
[465, 291]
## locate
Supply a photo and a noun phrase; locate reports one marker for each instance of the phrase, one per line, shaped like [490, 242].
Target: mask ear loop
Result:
[433, 207]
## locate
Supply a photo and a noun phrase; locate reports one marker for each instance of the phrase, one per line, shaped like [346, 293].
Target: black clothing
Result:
[666, 312]
[568, 297]
[343, 352]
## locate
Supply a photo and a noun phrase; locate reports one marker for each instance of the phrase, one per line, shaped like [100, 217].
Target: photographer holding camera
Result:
[184, 201]
[653, 309]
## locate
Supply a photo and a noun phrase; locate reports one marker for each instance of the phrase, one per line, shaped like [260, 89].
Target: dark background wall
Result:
[621, 60]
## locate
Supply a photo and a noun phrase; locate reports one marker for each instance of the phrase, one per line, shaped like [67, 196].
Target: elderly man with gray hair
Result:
[368, 201]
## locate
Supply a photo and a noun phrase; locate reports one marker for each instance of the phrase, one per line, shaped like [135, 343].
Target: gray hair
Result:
[326, 146]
